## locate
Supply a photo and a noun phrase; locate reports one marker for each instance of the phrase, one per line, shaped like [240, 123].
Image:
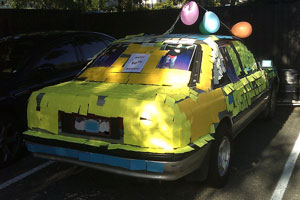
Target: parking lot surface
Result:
[261, 153]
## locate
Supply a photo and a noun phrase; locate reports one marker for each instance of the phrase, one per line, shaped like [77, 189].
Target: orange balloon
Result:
[242, 29]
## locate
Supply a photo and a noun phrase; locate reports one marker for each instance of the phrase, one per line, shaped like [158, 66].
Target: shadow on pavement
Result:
[252, 141]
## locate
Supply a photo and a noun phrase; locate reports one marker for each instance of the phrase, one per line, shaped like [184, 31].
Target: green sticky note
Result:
[183, 150]
[227, 90]
[212, 128]
[200, 142]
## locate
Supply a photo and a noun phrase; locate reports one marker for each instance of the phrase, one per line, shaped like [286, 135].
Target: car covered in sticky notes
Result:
[157, 107]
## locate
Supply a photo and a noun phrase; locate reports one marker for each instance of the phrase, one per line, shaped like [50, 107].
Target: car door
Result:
[251, 67]
[244, 94]
[254, 75]
[236, 97]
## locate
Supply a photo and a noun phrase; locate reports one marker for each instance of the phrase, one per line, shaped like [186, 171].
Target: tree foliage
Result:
[58, 4]
[130, 5]
[123, 5]
[164, 5]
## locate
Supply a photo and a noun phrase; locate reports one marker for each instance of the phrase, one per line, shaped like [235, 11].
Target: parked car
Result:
[157, 107]
[29, 62]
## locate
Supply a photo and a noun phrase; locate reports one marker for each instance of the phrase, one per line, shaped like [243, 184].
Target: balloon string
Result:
[225, 26]
[173, 26]
[219, 19]
[201, 7]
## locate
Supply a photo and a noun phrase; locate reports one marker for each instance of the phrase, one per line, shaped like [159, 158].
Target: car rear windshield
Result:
[13, 55]
[137, 62]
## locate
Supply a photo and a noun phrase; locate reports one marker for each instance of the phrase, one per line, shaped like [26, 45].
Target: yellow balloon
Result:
[242, 29]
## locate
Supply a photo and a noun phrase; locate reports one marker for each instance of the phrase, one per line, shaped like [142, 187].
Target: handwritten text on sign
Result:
[136, 62]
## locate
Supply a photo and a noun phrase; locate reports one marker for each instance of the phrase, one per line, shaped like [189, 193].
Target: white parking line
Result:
[287, 172]
[20, 177]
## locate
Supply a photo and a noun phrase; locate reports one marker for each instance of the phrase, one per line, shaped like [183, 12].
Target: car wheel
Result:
[221, 156]
[10, 142]
[271, 107]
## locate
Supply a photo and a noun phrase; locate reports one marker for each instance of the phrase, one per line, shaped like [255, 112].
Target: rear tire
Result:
[269, 112]
[10, 142]
[221, 156]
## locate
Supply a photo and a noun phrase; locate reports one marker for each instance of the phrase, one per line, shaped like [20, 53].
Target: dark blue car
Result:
[32, 61]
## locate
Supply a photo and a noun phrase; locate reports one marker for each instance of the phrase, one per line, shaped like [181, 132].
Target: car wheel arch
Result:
[227, 120]
[223, 130]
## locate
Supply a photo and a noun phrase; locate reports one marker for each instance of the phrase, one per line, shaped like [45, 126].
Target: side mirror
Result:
[266, 63]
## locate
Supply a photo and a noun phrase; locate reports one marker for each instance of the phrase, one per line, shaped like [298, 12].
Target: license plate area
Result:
[90, 125]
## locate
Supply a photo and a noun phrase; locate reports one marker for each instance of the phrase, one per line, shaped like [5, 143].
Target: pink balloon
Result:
[189, 13]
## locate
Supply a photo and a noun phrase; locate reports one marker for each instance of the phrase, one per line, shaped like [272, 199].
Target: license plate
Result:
[92, 125]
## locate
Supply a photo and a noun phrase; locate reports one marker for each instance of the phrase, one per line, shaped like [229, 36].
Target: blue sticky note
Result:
[96, 158]
[137, 165]
[230, 99]
[155, 167]
[116, 161]
[84, 156]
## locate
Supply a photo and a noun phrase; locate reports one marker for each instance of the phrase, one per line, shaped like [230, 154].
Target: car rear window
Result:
[145, 63]
[110, 55]
[178, 57]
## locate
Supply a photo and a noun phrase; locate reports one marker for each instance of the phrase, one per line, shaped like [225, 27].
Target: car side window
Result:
[235, 60]
[247, 58]
[229, 65]
[220, 76]
[61, 57]
[90, 46]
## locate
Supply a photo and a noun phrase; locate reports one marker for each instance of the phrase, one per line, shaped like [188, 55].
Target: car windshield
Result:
[13, 55]
[144, 63]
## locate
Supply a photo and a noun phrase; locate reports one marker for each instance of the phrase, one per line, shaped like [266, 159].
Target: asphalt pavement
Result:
[261, 153]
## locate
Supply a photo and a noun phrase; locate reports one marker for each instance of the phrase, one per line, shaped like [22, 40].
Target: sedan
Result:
[29, 62]
[158, 107]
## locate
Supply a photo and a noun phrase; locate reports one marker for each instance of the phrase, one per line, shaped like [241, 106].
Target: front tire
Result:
[221, 157]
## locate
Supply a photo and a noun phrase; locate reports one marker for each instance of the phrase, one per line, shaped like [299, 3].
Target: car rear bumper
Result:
[142, 168]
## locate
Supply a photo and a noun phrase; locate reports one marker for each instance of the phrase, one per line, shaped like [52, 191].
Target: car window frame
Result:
[48, 46]
[222, 43]
[243, 74]
[225, 54]
[228, 81]
[196, 68]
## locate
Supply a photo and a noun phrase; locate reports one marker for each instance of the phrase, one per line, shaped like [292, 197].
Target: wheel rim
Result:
[224, 156]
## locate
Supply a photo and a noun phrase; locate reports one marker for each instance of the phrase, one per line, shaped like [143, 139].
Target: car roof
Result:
[173, 38]
[49, 35]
